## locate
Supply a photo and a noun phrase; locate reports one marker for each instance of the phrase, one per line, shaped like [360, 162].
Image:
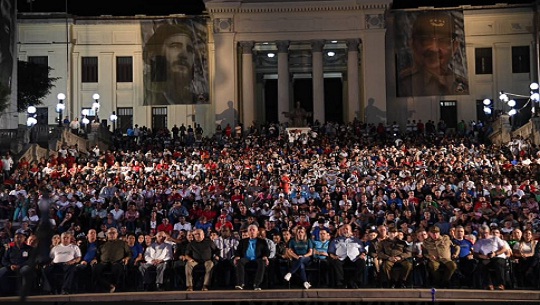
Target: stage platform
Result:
[311, 296]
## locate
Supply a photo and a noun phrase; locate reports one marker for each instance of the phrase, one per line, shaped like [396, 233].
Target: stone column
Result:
[248, 84]
[318, 80]
[283, 80]
[353, 103]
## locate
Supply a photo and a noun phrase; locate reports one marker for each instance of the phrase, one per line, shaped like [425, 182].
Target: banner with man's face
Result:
[7, 41]
[430, 53]
[175, 61]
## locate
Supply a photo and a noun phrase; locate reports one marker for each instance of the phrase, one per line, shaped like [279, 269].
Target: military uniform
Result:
[417, 82]
[438, 252]
[395, 248]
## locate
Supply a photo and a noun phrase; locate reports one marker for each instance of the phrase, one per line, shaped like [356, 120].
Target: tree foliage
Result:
[33, 84]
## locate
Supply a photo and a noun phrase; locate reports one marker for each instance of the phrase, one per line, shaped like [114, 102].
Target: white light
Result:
[61, 96]
[113, 117]
[265, 43]
[511, 103]
[95, 106]
[31, 121]
[487, 102]
[512, 112]
[333, 41]
[85, 112]
[532, 110]
[31, 109]
[95, 96]
[60, 107]
[85, 121]
[271, 55]
[535, 97]
[534, 86]
[503, 97]
[331, 53]
[487, 110]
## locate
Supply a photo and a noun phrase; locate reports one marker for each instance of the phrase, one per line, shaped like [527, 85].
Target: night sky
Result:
[192, 7]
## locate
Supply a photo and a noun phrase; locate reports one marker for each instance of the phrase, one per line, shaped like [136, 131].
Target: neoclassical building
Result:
[339, 60]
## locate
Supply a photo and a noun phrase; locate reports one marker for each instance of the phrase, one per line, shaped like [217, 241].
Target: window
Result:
[124, 69]
[159, 118]
[484, 60]
[39, 60]
[125, 118]
[89, 69]
[521, 59]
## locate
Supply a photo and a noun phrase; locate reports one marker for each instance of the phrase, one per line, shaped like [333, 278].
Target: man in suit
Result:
[251, 250]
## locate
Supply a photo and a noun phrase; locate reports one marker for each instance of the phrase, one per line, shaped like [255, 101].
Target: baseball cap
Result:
[22, 232]
[435, 229]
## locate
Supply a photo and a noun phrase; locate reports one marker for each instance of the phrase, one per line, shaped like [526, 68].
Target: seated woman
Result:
[299, 251]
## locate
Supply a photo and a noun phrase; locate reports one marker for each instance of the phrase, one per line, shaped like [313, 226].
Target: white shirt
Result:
[63, 254]
[156, 251]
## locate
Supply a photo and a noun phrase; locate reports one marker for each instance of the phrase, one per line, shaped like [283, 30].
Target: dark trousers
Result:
[100, 281]
[337, 266]
[67, 273]
[83, 276]
[223, 272]
[259, 273]
[396, 271]
[435, 269]
[485, 268]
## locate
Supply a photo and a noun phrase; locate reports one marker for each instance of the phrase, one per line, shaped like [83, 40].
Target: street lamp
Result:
[113, 119]
[60, 107]
[31, 120]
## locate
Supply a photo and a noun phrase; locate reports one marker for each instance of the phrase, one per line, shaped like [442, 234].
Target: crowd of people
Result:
[342, 205]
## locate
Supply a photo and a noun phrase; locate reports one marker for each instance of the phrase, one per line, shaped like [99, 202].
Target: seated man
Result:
[64, 257]
[113, 255]
[491, 254]
[394, 252]
[15, 262]
[156, 258]
[347, 250]
[320, 256]
[437, 250]
[200, 251]
[226, 245]
[465, 258]
[251, 250]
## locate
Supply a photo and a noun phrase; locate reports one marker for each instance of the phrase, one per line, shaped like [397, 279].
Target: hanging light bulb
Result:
[535, 97]
[512, 112]
[487, 110]
[487, 102]
[512, 103]
[503, 97]
[534, 86]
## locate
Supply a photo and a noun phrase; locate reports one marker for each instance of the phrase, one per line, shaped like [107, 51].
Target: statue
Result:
[298, 116]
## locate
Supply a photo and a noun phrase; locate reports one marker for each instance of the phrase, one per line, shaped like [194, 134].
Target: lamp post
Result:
[85, 121]
[31, 121]
[113, 119]
[96, 105]
[60, 107]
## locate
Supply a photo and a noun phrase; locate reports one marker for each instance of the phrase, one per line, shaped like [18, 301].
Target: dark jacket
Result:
[261, 248]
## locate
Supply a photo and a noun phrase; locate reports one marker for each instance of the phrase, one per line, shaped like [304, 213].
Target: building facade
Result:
[337, 60]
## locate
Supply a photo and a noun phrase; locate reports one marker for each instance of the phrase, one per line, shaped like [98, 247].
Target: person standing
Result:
[437, 249]
[394, 252]
[251, 250]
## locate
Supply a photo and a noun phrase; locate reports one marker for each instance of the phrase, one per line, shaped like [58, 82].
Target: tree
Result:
[33, 84]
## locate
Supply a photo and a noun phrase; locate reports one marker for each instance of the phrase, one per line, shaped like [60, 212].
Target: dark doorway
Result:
[448, 112]
[271, 100]
[303, 93]
[159, 118]
[333, 100]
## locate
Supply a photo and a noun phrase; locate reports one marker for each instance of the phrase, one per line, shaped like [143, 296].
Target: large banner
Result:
[430, 53]
[7, 41]
[175, 61]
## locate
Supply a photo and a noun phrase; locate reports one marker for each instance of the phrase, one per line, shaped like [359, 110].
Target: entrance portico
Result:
[327, 55]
